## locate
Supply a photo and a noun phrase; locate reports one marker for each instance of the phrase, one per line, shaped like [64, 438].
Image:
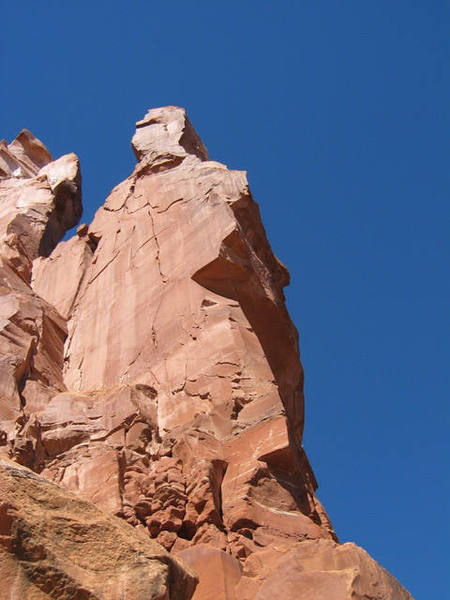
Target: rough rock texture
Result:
[317, 570]
[52, 544]
[177, 400]
[39, 200]
[55, 545]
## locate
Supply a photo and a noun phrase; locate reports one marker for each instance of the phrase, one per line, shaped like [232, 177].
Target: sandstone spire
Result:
[177, 401]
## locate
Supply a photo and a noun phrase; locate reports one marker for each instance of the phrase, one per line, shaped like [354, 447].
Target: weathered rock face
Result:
[39, 200]
[177, 321]
[55, 545]
[177, 400]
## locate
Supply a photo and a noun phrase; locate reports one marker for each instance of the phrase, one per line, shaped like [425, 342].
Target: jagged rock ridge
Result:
[173, 389]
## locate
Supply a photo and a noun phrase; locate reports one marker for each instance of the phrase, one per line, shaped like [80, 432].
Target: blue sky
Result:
[338, 110]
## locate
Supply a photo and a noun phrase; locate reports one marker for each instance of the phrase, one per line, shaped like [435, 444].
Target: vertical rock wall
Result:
[177, 400]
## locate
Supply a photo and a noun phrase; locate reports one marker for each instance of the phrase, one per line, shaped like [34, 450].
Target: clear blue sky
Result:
[339, 111]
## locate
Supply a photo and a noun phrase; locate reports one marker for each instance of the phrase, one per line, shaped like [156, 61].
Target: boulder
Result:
[55, 545]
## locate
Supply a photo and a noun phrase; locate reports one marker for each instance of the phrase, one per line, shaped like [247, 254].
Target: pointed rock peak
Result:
[40, 199]
[29, 145]
[27, 155]
[166, 132]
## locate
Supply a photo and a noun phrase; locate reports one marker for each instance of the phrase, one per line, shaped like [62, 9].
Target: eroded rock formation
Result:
[150, 366]
[56, 545]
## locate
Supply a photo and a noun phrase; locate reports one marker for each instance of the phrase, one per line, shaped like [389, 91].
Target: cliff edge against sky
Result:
[150, 374]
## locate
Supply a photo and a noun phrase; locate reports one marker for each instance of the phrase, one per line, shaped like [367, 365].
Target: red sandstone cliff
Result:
[149, 365]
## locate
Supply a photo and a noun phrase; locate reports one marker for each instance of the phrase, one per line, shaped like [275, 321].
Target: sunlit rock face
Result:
[39, 200]
[173, 388]
[56, 545]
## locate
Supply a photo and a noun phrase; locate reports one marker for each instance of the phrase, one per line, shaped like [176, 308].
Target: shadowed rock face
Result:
[176, 402]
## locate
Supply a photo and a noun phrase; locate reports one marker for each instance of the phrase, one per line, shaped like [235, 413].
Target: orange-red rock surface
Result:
[150, 366]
